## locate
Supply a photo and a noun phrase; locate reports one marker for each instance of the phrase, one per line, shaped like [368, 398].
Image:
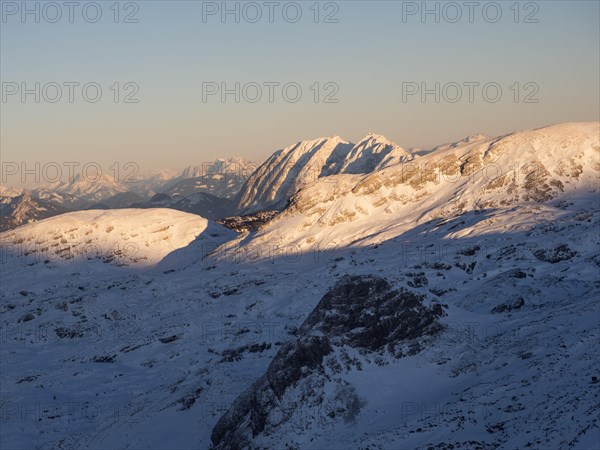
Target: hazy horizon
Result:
[141, 171]
[543, 58]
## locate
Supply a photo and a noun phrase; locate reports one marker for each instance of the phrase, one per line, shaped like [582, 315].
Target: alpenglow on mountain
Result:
[448, 301]
[287, 171]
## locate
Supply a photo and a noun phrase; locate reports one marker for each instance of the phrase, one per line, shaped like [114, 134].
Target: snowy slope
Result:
[372, 153]
[517, 349]
[309, 162]
[288, 170]
[137, 237]
[157, 357]
[178, 365]
[526, 167]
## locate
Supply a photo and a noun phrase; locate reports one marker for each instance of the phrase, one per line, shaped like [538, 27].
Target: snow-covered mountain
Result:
[64, 200]
[9, 191]
[23, 209]
[85, 191]
[234, 165]
[149, 184]
[203, 190]
[526, 167]
[289, 170]
[221, 178]
[446, 302]
[372, 153]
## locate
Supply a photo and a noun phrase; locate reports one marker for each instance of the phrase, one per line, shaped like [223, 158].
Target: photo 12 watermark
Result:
[470, 12]
[470, 92]
[69, 92]
[270, 12]
[269, 92]
[16, 172]
[32, 12]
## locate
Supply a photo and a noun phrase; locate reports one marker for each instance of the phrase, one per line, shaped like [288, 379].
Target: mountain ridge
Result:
[459, 313]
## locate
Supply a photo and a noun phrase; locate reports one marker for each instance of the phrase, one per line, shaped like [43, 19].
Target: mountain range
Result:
[366, 297]
[221, 178]
[239, 186]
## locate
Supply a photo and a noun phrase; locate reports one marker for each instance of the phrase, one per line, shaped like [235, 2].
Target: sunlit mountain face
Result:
[347, 294]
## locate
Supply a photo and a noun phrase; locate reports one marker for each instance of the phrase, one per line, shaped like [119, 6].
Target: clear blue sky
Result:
[368, 53]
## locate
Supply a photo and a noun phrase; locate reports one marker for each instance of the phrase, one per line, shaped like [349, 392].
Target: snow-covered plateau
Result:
[445, 299]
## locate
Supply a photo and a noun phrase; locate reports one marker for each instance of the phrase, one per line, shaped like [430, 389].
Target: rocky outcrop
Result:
[361, 313]
[246, 224]
[365, 312]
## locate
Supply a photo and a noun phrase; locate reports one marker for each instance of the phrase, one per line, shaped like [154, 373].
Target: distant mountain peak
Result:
[376, 137]
[25, 208]
[231, 165]
[9, 191]
[286, 171]
[476, 137]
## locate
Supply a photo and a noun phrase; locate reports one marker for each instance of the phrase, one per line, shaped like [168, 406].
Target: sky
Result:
[154, 72]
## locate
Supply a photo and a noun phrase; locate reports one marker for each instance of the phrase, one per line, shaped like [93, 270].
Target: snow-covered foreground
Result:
[262, 342]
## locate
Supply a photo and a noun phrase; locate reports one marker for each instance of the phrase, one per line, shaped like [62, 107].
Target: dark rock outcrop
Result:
[561, 253]
[359, 312]
[245, 224]
[365, 312]
[508, 306]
